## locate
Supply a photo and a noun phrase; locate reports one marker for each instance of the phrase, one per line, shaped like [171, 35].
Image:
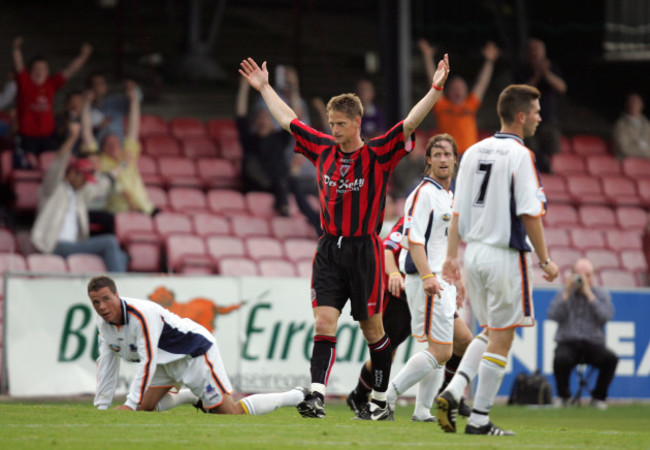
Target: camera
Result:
[577, 281]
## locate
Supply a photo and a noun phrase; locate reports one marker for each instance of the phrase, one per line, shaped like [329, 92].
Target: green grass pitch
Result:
[72, 425]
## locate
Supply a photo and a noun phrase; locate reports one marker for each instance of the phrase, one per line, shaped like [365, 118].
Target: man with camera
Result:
[581, 311]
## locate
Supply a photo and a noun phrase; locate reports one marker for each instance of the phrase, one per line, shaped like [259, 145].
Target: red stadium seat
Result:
[263, 247]
[218, 128]
[152, 124]
[565, 257]
[303, 268]
[187, 200]
[587, 238]
[144, 257]
[148, 167]
[50, 263]
[245, 226]
[133, 226]
[565, 145]
[7, 241]
[636, 167]
[222, 246]
[602, 165]
[291, 227]
[297, 249]
[585, 190]
[186, 126]
[603, 258]
[634, 261]
[630, 218]
[206, 224]
[555, 188]
[230, 148]
[168, 223]
[618, 240]
[588, 145]
[45, 159]
[217, 173]
[568, 164]
[276, 267]
[620, 191]
[26, 196]
[199, 147]
[86, 263]
[238, 266]
[226, 201]
[187, 253]
[643, 187]
[561, 216]
[557, 237]
[260, 204]
[161, 145]
[617, 278]
[178, 171]
[158, 197]
[600, 217]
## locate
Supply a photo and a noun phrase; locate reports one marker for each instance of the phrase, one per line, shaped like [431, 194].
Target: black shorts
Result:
[349, 268]
[397, 319]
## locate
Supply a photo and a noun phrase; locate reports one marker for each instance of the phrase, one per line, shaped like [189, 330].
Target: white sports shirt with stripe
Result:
[150, 335]
[497, 182]
[427, 215]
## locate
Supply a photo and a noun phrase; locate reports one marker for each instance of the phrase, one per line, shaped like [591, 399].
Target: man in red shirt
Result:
[34, 101]
[352, 183]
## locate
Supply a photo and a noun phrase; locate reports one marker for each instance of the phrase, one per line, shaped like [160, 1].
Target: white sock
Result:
[427, 389]
[490, 375]
[258, 404]
[417, 367]
[468, 366]
[318, 387]
[169, 400]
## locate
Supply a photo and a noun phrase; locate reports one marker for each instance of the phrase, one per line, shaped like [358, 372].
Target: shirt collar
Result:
[500, 135]
[434, 182]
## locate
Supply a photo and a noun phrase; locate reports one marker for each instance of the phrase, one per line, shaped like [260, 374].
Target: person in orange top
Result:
[201, 310]
[456, 111]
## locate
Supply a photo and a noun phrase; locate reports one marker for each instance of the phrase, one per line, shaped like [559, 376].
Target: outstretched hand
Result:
[442, 72]
[257, 77]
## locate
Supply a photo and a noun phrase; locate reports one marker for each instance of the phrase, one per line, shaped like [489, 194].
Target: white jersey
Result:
[150, 336]
[427, 215]
[498, 182]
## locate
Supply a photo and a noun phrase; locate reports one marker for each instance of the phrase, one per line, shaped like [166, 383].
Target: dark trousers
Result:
[568, 354]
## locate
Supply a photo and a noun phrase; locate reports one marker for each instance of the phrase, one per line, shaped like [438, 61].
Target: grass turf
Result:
[78, 425]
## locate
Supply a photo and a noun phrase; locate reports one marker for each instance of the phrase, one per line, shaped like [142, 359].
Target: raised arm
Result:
[241, 102]
[17, 54]
[133, 124]
[491, 54]
[77, 63]
[258, 78]
[428, 52]
[423, 107]
[87, 136]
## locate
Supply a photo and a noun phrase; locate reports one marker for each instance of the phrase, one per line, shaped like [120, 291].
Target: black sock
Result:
[380, 357]
[322, 358]
[364, 386]
[450, 370]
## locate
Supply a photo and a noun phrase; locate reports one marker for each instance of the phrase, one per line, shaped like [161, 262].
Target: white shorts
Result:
[499, 286]
[204, 375]
[431, 317]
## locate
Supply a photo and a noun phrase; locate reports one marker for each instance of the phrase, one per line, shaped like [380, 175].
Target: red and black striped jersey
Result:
[352, 186]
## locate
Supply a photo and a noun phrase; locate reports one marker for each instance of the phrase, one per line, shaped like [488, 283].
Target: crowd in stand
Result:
[101, 178]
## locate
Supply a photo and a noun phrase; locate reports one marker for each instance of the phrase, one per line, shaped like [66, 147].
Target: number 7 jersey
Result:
[498, 182]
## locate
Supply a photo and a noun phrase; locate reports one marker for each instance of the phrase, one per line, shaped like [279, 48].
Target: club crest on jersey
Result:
[343, 170]
[133, 348]
[115, 348]
[446, 217]
[209, 389]
[408, 222]
[396, 236]
[541, 194]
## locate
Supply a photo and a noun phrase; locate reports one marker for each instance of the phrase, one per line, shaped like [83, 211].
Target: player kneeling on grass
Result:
[170, 352]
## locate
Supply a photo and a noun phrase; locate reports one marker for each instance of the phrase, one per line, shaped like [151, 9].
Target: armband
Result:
[394, 273]
[436, 87]
[431, 275]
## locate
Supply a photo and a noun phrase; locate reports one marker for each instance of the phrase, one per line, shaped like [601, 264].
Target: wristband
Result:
[394, 273]
[545, 263]
[436, 87]
[431, 275]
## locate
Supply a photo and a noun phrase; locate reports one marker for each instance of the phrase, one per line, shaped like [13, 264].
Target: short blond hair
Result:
[348, 104]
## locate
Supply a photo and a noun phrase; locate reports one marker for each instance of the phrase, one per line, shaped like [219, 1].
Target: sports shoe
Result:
[598, 404]
[199, 406]
[356, 402]
[488, 429]
[372, 411]
[311, 406]
[447, 411]
[429, 419]
[464, 409]
[304, 391]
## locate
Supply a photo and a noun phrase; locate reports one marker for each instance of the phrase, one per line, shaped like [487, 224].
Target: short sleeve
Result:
[529, 194]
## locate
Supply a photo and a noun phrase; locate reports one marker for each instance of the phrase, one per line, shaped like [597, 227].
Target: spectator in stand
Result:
[374, 123]
[129, 192]
[61, 225]
[581, 311]
[108, 109]
[456, 111]
[34, 105]
[632, 129]
[71, 113]
[540, 72]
